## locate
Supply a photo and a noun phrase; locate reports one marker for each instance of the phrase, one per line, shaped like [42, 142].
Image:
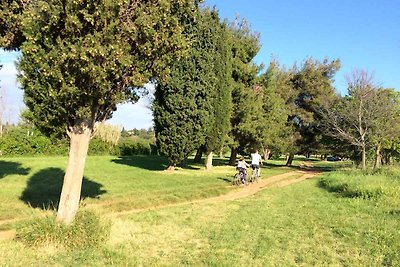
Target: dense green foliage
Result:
[80, 59]
[182, 107]
[246, 102]
[274, 129]
[25, 140]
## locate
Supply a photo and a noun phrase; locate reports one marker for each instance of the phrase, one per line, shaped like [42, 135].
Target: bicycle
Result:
[239, 178]
[255, 175]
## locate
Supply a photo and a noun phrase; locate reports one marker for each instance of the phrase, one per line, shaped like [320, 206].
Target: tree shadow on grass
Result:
[225, 179]
[9, 168]
[44, 189]
[148, 162]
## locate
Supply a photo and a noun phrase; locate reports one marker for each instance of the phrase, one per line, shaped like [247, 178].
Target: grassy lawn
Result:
[312, 223]
[110, 183]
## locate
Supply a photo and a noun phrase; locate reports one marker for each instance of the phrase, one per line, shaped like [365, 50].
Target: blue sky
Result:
[363, 34]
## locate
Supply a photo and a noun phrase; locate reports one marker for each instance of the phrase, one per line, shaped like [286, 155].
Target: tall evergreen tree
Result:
[245, 98]
[82, 58]
[221, 108]
[182, 107]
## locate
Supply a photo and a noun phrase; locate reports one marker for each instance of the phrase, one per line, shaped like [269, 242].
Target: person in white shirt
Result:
[256, 160]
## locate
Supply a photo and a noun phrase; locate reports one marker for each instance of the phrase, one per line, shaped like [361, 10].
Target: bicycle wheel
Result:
[236, 179]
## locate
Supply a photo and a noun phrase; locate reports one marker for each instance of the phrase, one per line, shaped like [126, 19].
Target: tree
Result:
[245, 97]
[219, 125]
[354, 117]
[312, 86]
[274, 128]
[386, 128]
[182, 107]
[82, 58]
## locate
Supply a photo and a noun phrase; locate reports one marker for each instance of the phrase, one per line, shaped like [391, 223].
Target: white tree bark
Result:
[71, 190]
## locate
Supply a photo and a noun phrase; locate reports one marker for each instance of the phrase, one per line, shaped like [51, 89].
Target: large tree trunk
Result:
[378, 157]
[363, 159]
[209, 161]
[199, 153]
[232, 159]
[71, 189]
[290, 159]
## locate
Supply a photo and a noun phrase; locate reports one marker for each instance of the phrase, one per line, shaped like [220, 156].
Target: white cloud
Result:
[131, 116]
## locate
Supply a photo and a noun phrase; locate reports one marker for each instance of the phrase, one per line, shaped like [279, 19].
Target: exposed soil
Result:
[9, 234]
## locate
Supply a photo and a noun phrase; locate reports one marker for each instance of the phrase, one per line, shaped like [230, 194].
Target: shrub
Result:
[86, 231]
[358, 184]
[23, 140]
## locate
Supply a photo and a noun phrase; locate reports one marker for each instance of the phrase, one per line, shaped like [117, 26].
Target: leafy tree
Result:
[182, 104]
[386, 128]
[82, 58]
[356, 117]
[274, 128]
[245, 93]
[11, 36]
[312, 87]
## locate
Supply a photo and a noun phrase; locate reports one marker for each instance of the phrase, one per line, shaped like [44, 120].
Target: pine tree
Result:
[182, 107]
[245, 99]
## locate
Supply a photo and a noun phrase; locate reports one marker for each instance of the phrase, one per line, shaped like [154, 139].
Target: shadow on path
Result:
[44, 189]
[9, 168]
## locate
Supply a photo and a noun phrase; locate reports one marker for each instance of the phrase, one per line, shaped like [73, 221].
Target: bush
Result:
[358, 184]
[20, 141]
[138, 146]
[86, 231]
[28, 141]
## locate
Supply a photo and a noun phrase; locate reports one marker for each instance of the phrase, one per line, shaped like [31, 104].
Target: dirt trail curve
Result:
[280, 180]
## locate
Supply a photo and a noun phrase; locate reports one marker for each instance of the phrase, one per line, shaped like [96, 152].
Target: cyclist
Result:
[256, 160]
[242, 168]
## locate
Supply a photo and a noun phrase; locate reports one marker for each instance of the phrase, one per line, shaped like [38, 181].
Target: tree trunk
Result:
[363, 159]
[171, 167]
[209, 161]
[232, 159]
[267, 152]
[290, 159]
[71, 189]
[378, 157]
[199, 153]
[221, 153]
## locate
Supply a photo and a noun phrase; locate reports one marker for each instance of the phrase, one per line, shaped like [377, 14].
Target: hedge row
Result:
[24, 142]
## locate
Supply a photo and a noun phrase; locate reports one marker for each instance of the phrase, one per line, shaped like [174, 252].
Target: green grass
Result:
[110, 183]
[304, 224]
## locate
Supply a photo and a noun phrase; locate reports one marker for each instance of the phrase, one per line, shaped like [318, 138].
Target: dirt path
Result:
[280, 180]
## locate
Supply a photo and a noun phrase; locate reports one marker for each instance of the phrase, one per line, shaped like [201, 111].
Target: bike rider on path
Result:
[256, 160]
